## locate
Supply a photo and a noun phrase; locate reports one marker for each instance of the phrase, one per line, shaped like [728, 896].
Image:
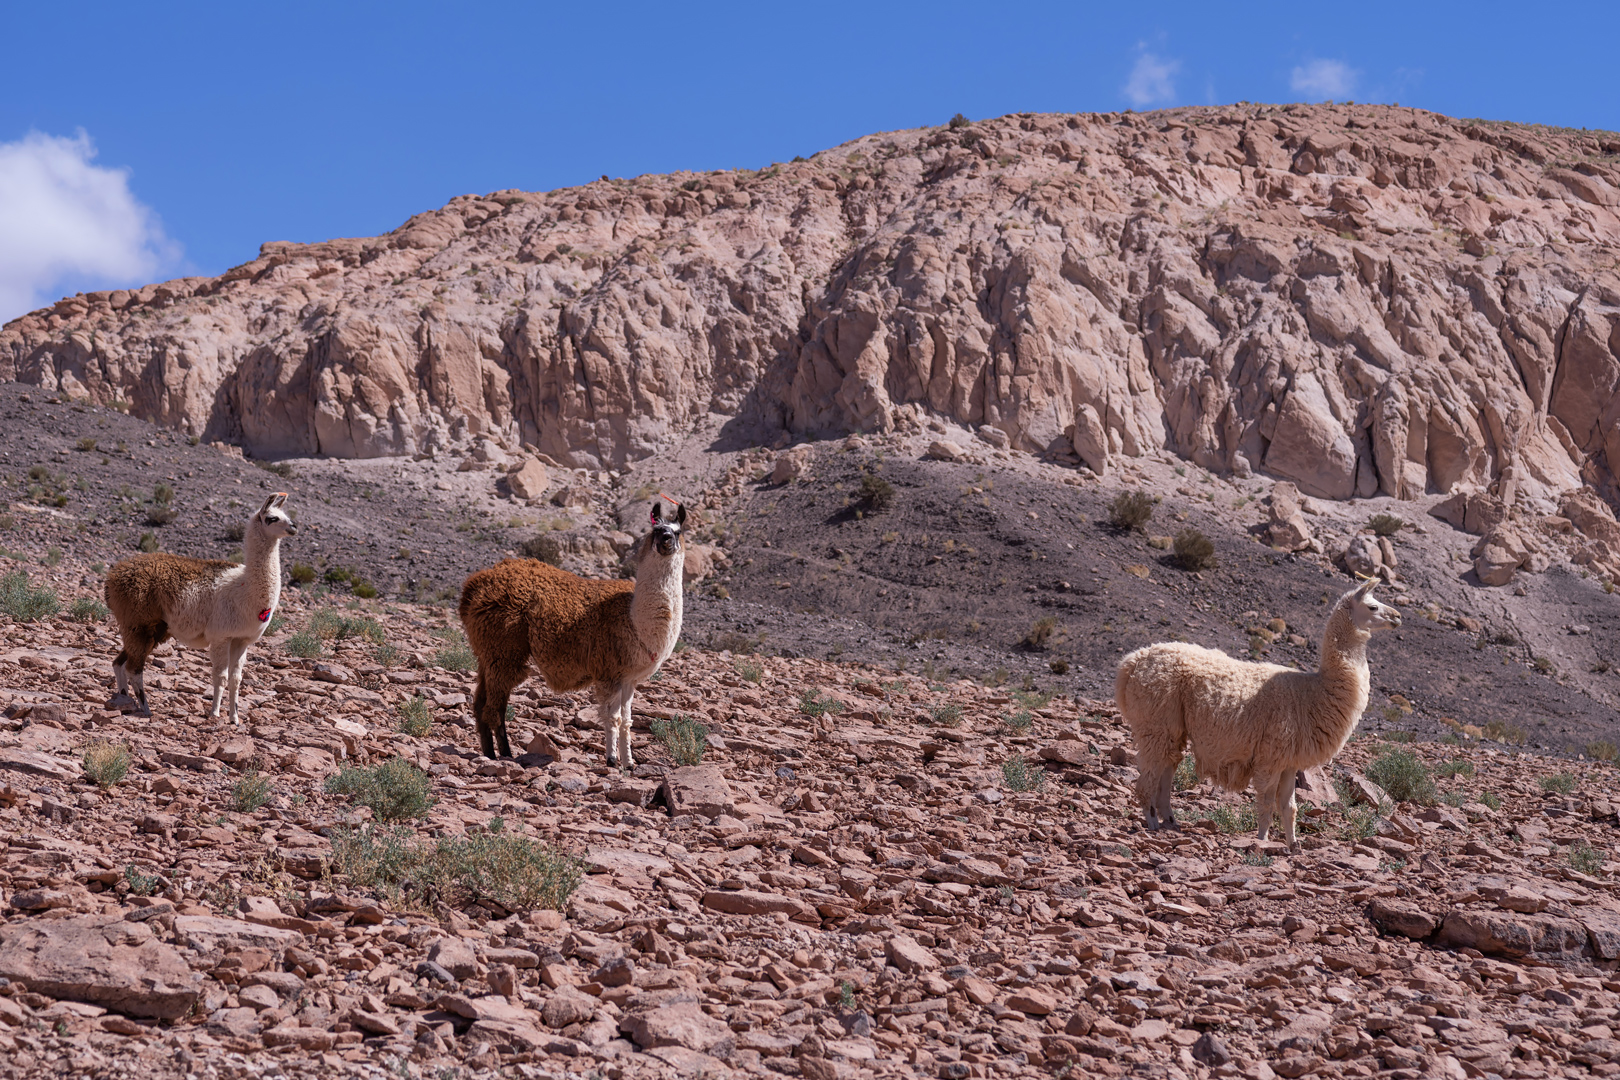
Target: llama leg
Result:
[1287, 807]
[624, 714]
[1167, 816]
[239, 649]
[140, 643]
[120, 698]
[497, 677]
[498, 723]
[479, 704]
[219, 658]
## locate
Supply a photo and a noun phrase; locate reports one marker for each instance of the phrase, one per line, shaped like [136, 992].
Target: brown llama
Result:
[577, 632]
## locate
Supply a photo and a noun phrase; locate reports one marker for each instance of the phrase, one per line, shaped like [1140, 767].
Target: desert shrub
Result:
[958, 121]
[1186, 773]
[750, 670]
[1130, 510]
[332, 625]
[1558, 783]
[1019, 722]
[1456, 767]
[946, 715]
[250, 792]
[513, 871]
[147, 543]
[542, 547]
[106, 762]
[1504, 732]
[1254, 858]
[876, 493]
[305, 643]
[140, 884]
[365, 590]
[236, 531]
[160, 514]
[1586, 859]
[88, 609]
[1603, 750]
[279, 468]
[456, 655]
[86, 444]
[1058, 667]
[1231, 823]
[1039, 633]
[26, 602]
[416, 716]
[815, 703]
[162, 494]
[301, 573]
[1194, 551]
[685, 740]
[1491, 799]
[394, 790]
[387, 655]
[1019, 775]
[1360, 823]
[339, 575]
[1385, 524]
[1403, 775]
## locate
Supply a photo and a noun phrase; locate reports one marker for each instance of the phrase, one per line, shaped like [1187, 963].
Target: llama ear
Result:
[1366, 586]
[268, 503]
[680, 514]
[657, 512]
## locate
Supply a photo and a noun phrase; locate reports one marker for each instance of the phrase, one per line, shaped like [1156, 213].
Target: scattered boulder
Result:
[100, 960]
[529, 480]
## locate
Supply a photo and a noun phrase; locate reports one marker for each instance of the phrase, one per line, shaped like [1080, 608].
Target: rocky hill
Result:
[1358, 298]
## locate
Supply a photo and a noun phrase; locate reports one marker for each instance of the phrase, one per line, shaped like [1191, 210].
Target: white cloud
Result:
[1324, 80]
[65, 219]
[1151, 81]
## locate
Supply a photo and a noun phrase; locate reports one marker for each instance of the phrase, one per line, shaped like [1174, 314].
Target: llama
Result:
[1247, 720]
[610, 635]
[203, 603]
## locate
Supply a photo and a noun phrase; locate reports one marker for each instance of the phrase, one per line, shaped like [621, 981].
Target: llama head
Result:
[665, 537]
[272, 520]
[1367, 611]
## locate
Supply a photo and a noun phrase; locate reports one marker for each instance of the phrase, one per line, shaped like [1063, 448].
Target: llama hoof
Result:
[121, 701]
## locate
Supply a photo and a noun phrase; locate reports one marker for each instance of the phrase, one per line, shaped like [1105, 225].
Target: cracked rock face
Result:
[1359, 299]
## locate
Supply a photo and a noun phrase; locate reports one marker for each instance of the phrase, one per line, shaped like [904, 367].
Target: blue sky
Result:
[210, 128]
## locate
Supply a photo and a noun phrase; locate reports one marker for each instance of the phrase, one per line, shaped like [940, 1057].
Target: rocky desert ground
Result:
[882, 821]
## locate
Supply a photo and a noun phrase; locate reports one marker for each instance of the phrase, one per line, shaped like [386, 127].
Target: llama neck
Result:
[656, 605]
[262, 571]
[1343, 667]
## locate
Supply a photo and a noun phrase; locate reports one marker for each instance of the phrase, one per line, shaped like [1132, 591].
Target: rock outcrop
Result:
[1356, 298]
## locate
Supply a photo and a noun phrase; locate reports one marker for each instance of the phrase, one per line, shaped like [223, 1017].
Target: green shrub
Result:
[1603, 750]
[279, 468]
[1231, 823]
[88, 609]
[394, 790]
[750, 670]
[947, 715]
[958, 121]
[332, 625]
[305, 643]
[542, 547]
[457, 656]
[513, 871]
[1186, 776]
[1586, 859]
[416, 716]
[1491, 799]
[339, 575]
[1019, 775]
[815, 703]
[1403, 775]
[160, 514]
[387, 655]
[1039, 633]
[1558, 783]
[25, 602]
[365, 590]
[249, 792]
[685, 740]
[876, 493]
[1059, 667]
[106, 762]
[1130, 510]
[1385, 524]
[140, 884]
[1194, 551]
[276, 623]
[147, 543]
[1019, 722]
[1456, 767]
[1360, 823]
[301, 573]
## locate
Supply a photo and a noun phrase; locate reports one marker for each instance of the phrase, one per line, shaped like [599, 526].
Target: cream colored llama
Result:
[610, 635]
[1247, 720]
[210, 604]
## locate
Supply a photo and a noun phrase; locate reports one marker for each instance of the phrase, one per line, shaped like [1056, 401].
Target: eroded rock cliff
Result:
[1359, 299]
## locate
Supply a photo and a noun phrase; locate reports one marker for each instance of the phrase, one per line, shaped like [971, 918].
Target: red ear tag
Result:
[264, 616]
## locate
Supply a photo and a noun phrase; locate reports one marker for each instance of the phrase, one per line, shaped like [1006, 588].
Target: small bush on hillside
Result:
[1040, 632]
[1558, 783]
[305, 643]
[1231, 823]
[457, 655]
[1385, 524]
[958, 121]
[513, 871]
[685, 740]
[26, 602]
[815, 703]
[1059, 667]
[147, 543]
[301, 573]
[947, 715]
[542, 547]
[1186, 776]
[876, 493]
[1194, 551]
[250, 792]
[162, 494]
[416, 716]
[160, 515]
[1019, 775]
[279, 468]
[750, 670]
[1586, 859]
[1130, 510]
[1020, 722]
[106, 762]
[1402, 774]
[88, 609]
[388, 655]
[394, 790]
[1603, 750]
[1504, 732]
